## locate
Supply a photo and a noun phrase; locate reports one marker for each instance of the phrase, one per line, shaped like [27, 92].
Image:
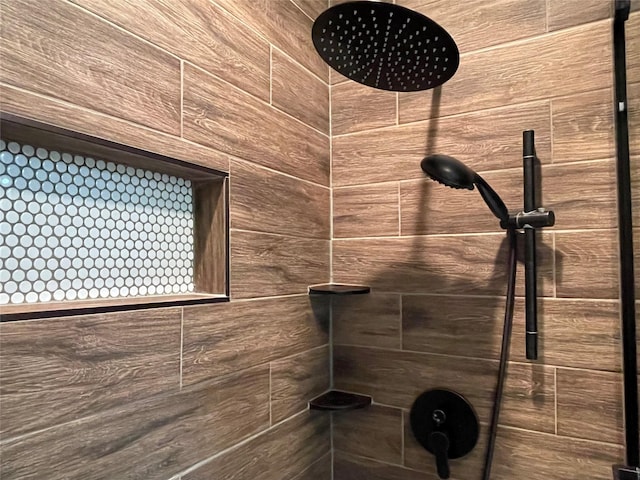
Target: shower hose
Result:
[504, 351]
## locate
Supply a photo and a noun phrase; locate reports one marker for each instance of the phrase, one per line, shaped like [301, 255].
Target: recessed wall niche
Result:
[90, 224]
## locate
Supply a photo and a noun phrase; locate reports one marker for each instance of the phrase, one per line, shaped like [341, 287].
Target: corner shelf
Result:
[338, 289]
[335, 400]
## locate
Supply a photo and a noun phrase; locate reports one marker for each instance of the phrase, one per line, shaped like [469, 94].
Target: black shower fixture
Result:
[453, 173]
[385, 46]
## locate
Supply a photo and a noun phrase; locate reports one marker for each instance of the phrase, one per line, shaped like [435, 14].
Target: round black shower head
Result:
[385, 46]
[449, 171]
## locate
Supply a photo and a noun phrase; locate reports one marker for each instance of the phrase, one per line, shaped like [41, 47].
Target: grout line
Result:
[285, 235]
[546, 16]
[473, 234]
[554, 265]
[551, 128]
[302, 67]
[565, 437]
[269, 169]
[555, 397]
[181, 343]
[481, 110]
[270, 74]
[264, 37]
[331, 187]
[497, 297]
[118, 27]
[303, 352]
[300, 8]
[494, 171]
[533, 38]
[396, 350]
[240, 444]
[169, 136]
[273, 297]
[463, 357]
[399, 211]
[181, 98]
[262, 101]
[270, 396]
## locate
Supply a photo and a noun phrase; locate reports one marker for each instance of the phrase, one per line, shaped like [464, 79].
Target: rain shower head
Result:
[385, 46]
[453, 173]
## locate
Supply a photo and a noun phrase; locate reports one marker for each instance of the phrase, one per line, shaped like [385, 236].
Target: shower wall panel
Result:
[438, 277]
[179, 392]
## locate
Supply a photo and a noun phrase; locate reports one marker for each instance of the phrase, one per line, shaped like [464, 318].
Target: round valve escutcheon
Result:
[446, 425]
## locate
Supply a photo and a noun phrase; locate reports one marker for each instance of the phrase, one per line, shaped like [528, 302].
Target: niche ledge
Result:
[338, 289]
[336, 400]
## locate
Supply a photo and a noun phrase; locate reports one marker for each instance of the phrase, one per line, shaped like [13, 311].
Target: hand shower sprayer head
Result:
[453, 173]
[448, 171]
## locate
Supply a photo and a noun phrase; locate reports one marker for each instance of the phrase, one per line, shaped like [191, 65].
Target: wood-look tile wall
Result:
[182, 392]
[436, 259]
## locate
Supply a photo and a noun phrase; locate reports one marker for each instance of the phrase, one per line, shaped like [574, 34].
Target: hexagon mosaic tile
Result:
[74, 227]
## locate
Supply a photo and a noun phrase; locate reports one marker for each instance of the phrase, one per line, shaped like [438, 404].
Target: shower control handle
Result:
[440, 444]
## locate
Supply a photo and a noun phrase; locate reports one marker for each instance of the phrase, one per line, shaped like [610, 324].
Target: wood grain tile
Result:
[587, 264]
[452, 325]
[429, 208]
[582, 195]
[264, 265]
[299, 93]
[297, 379]
[88, 62]
[282, 452]
[222, 117]
[367, 211]
[481, 23]
[57, 370]
[312, 8]
[583, 127]
[223, 338]
[539, 456]
[529, 397]
[396, 378]
[335, 77]
[486, 140]
[320, 470]
[569, 13]
[261, 201]
[590, 405]
[369, 320]
[633, 92]
[348, 467]
[566, 62]
[151, 439]
[444, 265]
[199, 32]
[468, 467]
[633, 44]
[572, 333]
[356, 107]
[284, 25]
[66, 115]
[373, 432]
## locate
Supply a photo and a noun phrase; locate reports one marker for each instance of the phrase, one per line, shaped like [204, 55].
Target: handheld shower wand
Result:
[455, 174]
